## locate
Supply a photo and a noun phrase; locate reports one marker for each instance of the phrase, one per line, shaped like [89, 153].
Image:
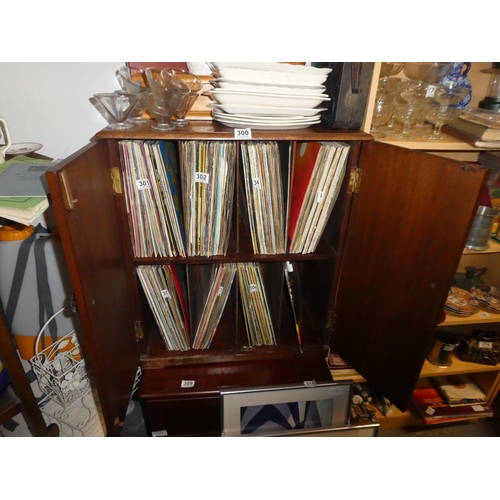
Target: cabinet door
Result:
[88, 218]
[407, 230]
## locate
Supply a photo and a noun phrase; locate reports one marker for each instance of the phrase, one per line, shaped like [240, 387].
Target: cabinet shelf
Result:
[493, 247]
[206, 130]
[429, 370]
[240, 257]
[447, 144]
[457, 367]
[480, 317]
[371, 210]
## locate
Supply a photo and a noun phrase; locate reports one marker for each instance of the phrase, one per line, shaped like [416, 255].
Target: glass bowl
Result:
[162, 110]
[162, 89]
[119, 107]
[430, 72]
[450, 92]
[136, 113]
[414, 92]
[390, 68]
[132, 80]
[195, 84]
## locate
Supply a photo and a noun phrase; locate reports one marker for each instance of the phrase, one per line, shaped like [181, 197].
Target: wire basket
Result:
[60, 368]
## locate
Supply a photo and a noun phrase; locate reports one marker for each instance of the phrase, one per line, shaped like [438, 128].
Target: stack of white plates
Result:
[267, 96]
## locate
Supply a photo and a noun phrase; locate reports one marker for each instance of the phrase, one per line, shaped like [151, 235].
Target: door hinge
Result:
[355, 180]
[331, 320]
[467, 167]
[118, 425]
[139, 334]
[117, 180]
[69, 201]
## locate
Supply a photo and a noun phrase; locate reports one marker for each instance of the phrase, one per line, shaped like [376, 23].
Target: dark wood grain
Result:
[215, 131]
[406, 234]
[91, 234]
[197, 411]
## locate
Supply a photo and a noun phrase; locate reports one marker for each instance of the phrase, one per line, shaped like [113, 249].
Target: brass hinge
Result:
[139, 334]
[118, 425]
[331, 320]
[69, 201]
[116, 179]
[355, 180]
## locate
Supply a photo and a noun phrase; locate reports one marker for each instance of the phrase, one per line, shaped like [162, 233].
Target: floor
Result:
[490, 427]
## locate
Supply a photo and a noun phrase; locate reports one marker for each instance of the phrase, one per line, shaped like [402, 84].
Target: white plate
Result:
[266, 110]
[273, 66]
[279, 87]
[266, 126]
[23, 148]
[262, 99]
[273, 77]
[265, 119]
[274, 89]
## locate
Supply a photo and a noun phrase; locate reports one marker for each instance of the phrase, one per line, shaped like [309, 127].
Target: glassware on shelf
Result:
[430, 72]
[389, 88]
[408, 114]
[418, 92]
[118, 107]
[458, 75]
[132, 80]
[135, 115]
[439, 116]
[382, 112]
[162, 110]
[165, 97]
[390, 68]
[163, 89]
[450, 93]
[194, 83]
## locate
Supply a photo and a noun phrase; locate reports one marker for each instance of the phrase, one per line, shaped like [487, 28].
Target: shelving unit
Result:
[373, 291]
[487, 377]
[370, 217]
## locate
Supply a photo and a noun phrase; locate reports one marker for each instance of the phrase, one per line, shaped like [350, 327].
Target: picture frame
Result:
[285, 409]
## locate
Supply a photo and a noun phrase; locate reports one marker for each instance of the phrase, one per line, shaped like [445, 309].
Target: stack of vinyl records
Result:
[151, 185]
[165, 294]
[267, 96]
[207, 179]
[256, 312]
[220, 279]
[264, 196]
[317, 177]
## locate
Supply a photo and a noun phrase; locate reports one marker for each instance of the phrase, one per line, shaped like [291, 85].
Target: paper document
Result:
[24, 179]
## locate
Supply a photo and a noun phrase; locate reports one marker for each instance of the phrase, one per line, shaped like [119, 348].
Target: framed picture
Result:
[281, 410]
[353, 430]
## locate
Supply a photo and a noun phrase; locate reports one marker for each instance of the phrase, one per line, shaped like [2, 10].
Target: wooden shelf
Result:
[457, 367]
[493, 247]
[398, 418]
[448, 144]
[482, 316]
[207, 130]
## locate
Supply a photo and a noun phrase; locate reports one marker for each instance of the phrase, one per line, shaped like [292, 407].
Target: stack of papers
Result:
[23, 188]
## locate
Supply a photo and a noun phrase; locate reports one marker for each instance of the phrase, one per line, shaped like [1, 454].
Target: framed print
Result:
[354, 430]
[281, 410]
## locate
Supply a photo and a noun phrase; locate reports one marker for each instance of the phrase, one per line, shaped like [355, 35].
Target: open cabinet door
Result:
[407, 230]
[89, 222]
